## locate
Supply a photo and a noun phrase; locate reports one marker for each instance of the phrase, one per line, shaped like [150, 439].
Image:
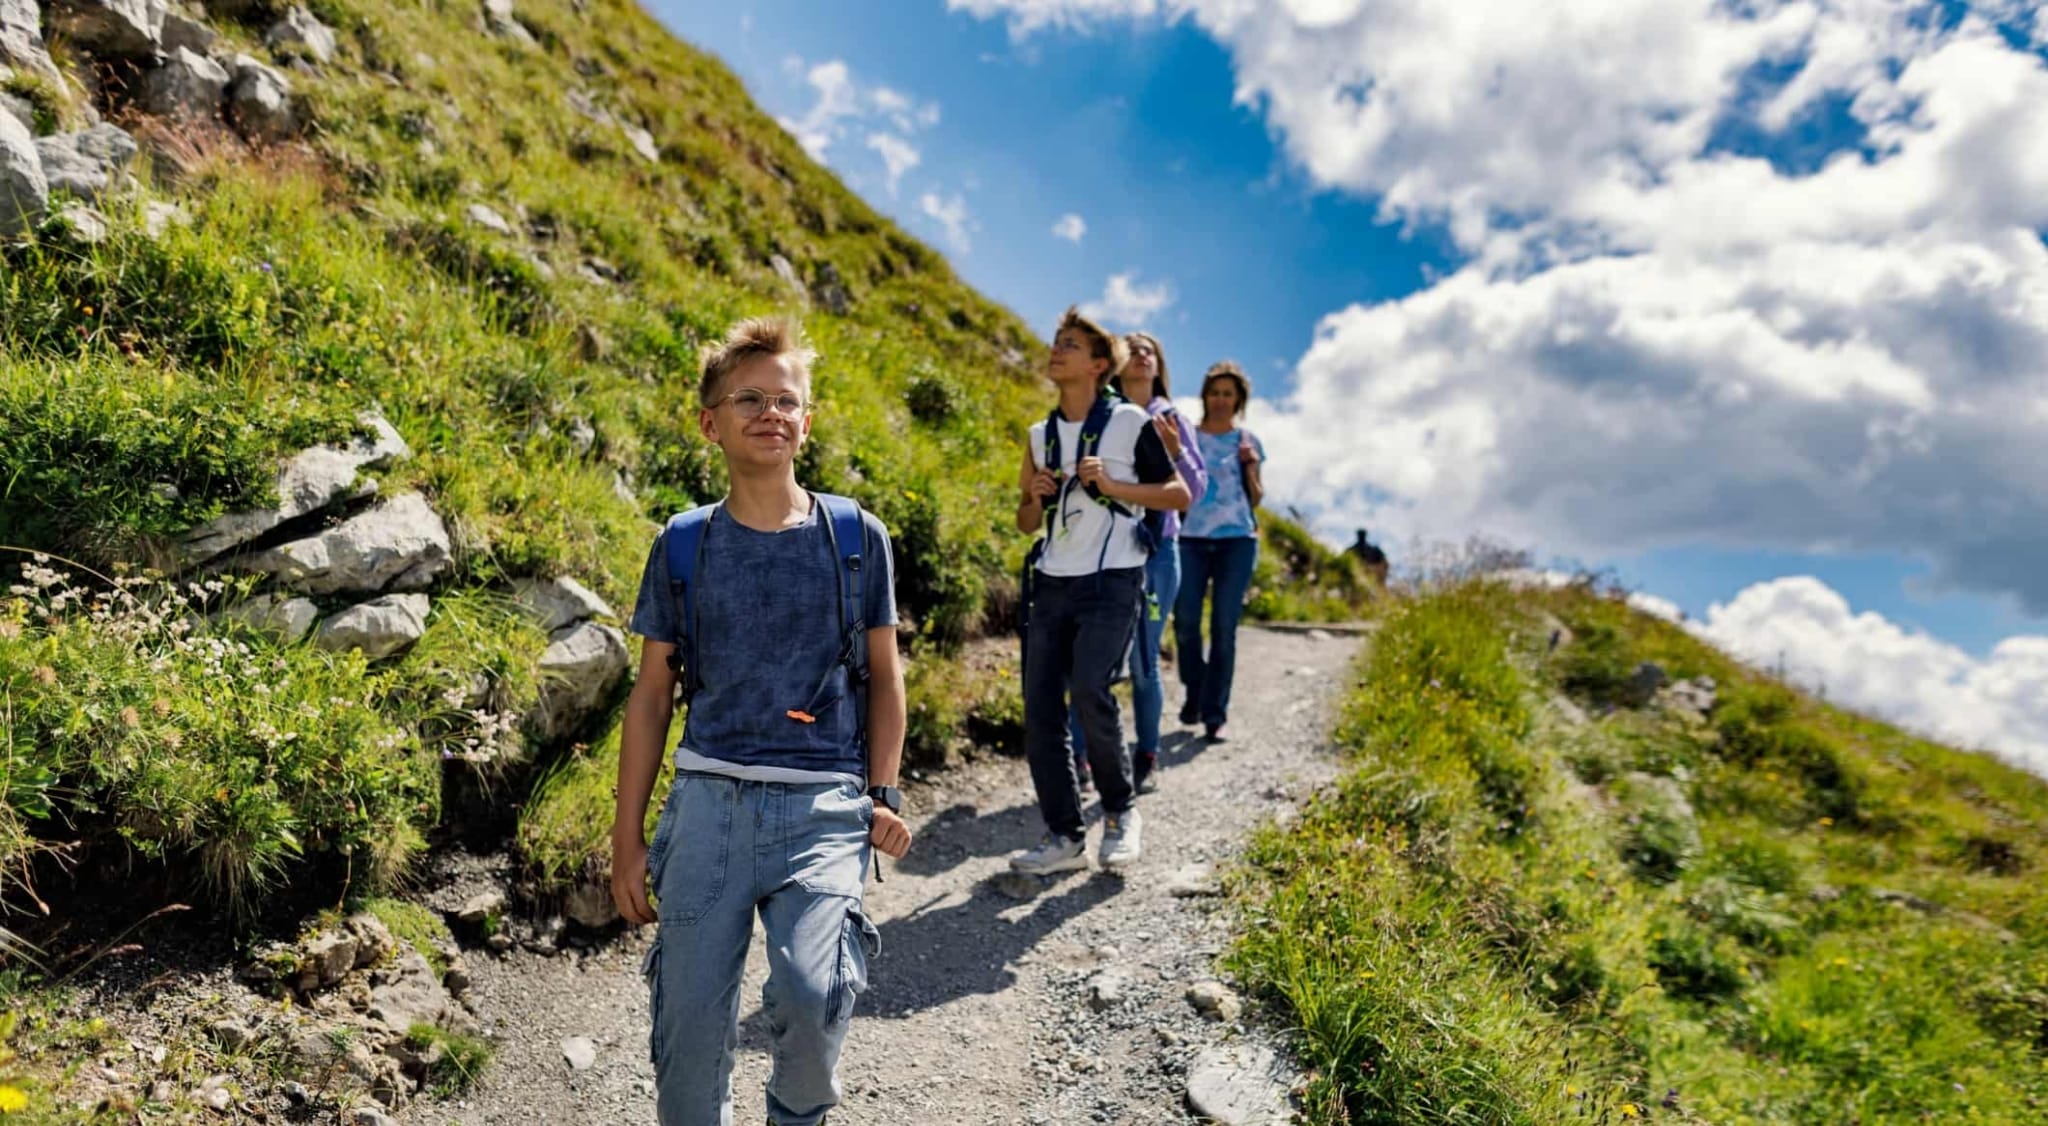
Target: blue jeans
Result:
[1148, 696]
[1228, 563]
[797, 854]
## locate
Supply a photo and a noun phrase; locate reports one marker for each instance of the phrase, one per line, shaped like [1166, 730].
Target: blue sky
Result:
[1733, 314]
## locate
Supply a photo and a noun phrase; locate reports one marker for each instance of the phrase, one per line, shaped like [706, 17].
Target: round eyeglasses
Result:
[752, 402]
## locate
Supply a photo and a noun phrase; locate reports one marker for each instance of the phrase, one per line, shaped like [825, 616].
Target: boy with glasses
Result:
[1089, 471]
[786, 770]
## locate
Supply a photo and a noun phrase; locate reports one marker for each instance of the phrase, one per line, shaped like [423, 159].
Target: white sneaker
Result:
[1054, 854]
[1122, 839]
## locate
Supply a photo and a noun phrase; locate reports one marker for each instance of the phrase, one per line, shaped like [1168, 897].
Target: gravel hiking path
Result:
[996, 999]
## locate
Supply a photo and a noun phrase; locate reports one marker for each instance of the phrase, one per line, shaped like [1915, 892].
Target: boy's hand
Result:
[629, 878]
[890, 834]
[1091, 471]
[1044, 486]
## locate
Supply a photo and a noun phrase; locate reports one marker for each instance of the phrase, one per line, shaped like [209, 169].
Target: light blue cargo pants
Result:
[722, 850]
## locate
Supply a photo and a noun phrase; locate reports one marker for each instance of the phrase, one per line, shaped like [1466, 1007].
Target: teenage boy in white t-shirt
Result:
[1086, 591]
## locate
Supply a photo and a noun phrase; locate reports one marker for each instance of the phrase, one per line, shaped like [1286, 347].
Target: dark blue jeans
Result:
[1079, 634]
[1227, 564]
[1148, 696]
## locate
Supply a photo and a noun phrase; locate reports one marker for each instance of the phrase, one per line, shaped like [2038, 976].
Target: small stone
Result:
[82, 224]
[1214, 1000]
[1107, 990]
[1193, 881]
[646, 1087]
[370, 1116]
[1319, 635]
[231, 1034]
[1017, 885]
[159, 216]
[301, 34]
[481, 907]
[580, 1051]
[260, 101]
[498, 943]
[1241, 1085]
[487, 218]
[642, 142]
[295, 1092]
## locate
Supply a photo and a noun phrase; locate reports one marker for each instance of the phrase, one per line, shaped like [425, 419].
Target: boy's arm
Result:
[887, 719]
[1032, 484]
[642, 734]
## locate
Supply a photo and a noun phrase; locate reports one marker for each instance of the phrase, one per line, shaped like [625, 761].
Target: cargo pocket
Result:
[858, 942]
[650, 968]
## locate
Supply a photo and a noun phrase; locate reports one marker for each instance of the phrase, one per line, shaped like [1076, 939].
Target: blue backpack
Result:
[843, 526]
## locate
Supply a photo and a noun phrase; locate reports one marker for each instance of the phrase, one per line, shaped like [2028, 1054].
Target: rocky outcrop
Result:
[312, 480]
[287, 619]
[260, 101]
[483, 215]
[188, 87]
[499, 17]
[130, 29]
[558, 602]
[183, 31]
[398, 545]
[580, 667]
[359, 992]
[380, 627]
[21, 39]
[300, 34]
[24, 193]
[86, 164]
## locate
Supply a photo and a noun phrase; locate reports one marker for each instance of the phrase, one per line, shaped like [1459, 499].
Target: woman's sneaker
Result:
[1054, 853]
[1142, 766]
[1122, 840]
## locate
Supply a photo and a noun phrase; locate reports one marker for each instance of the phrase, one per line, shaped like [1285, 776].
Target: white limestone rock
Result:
[400, 544]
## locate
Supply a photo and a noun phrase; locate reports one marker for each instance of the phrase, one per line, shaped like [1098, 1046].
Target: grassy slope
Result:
[1502, 916]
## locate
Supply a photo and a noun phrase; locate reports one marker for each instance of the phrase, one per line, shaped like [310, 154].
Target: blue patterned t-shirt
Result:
[1223, 511]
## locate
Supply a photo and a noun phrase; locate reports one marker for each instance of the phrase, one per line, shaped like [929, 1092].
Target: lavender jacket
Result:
[1193, 470]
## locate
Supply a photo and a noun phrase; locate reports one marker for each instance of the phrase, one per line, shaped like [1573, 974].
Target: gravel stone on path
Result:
[981, 1008]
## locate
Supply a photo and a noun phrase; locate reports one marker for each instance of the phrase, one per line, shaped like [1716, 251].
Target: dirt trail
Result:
[1065, 1007]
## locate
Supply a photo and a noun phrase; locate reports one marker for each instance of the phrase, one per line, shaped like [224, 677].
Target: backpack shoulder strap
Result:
[685, 541]
[848, 532]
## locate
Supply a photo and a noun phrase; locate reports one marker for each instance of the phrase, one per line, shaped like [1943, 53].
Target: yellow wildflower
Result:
[12, 1098]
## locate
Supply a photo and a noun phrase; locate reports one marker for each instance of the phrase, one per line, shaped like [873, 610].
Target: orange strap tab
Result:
[801, 716]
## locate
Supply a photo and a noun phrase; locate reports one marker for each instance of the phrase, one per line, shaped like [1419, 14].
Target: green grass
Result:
[1499, 917]
[458, 1059]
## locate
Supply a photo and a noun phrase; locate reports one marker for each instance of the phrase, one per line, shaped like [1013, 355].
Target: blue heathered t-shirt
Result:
[771, 627]
[1224, 510]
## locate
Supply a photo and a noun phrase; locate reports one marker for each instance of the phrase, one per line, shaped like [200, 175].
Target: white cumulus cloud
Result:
[950, 213]
[883, 118]
[898, 156]
[1128, 302]
[1870, 663]
[1070, 227]
[1660, 336]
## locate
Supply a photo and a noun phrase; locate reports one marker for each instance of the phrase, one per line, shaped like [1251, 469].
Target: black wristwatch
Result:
[889, 797]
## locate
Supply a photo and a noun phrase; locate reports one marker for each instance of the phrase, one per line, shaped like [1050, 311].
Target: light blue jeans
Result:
[1148, 698]
[723, 850]
[1228, 563]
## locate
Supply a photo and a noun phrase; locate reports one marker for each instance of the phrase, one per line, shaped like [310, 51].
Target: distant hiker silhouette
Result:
[1374, 559]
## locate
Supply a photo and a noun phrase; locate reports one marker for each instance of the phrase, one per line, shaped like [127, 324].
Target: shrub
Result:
[1691, 963]
[258, 765]
[454, 1060]
[1662, 837]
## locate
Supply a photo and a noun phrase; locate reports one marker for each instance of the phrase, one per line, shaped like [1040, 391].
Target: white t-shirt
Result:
[1076, 526]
